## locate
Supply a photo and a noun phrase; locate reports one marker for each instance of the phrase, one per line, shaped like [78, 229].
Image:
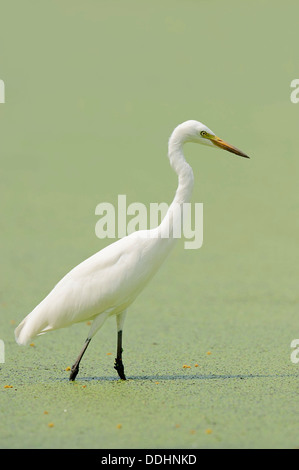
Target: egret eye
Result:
[203, 133]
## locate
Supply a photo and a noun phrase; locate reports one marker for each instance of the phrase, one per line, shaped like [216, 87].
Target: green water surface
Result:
[93, 90]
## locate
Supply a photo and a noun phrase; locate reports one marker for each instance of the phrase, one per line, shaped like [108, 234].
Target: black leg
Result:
[118, 364]
[75, 367]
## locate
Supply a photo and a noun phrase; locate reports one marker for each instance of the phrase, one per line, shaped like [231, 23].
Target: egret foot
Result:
[74, 372]
[118, 365]
[75, 367]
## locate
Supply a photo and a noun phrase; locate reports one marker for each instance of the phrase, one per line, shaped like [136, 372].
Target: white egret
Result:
[109, 281]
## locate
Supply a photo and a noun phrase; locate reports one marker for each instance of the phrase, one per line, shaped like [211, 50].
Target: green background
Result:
[93, 91]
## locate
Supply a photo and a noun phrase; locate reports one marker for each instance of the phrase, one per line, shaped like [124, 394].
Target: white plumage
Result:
[109, 281]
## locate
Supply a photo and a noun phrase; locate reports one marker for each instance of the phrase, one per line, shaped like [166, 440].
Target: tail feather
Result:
[31, 326]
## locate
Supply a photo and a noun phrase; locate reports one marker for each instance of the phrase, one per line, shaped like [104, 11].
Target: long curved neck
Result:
[173, 219]
[182, 169]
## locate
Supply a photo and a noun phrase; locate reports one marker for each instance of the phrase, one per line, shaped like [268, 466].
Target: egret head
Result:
[195, 131]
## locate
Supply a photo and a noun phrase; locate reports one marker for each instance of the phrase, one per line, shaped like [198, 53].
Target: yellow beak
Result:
[225, 146]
